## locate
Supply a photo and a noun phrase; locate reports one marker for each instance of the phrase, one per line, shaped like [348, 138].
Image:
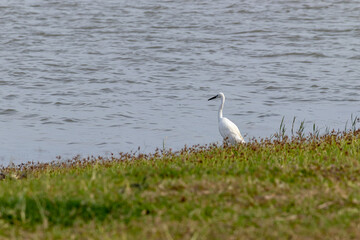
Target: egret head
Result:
[220, 95]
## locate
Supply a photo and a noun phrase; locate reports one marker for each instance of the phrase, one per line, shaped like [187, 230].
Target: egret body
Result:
[228, 130]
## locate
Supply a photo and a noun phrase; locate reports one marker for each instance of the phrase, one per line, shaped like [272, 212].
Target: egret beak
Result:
[213, 97]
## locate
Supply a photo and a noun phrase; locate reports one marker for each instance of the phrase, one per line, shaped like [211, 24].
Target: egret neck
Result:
[221, 107]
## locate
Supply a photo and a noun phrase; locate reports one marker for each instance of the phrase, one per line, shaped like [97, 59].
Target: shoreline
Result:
[305, 188]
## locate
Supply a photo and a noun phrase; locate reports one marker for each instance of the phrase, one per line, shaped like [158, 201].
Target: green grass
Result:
[282, 189]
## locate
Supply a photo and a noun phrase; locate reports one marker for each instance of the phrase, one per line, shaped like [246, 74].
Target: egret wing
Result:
[229, 130]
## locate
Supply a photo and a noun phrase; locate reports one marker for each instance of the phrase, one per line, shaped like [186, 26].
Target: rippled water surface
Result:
[95, 77]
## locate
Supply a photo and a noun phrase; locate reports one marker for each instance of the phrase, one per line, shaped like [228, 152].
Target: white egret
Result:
[228, 130]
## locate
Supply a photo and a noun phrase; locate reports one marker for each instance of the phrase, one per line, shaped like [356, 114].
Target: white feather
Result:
[230, 132]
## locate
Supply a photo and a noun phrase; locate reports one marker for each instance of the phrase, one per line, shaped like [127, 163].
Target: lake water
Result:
[93, 77]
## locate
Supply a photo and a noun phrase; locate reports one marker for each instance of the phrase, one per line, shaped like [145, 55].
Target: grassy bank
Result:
[281, 189]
